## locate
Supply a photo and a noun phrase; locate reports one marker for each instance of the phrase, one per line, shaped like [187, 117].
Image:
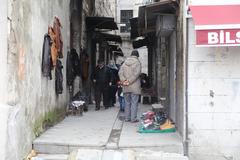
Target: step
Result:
[51, 157]
[90, 154]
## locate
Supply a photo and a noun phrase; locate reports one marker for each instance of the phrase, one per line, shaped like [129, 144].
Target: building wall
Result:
[104, 8]
[32, 101]
[3, 50]
[127, 42]
[213, 99]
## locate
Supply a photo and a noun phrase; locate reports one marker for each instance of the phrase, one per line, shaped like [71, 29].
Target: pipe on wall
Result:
[186, 137]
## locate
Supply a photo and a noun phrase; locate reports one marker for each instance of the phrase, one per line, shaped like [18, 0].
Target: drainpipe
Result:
[186, 137]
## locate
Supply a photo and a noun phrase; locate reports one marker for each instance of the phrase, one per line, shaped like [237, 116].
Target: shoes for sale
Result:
[147, 115]
[121, 110]
[167, 125]
[135, 121]
[127, 120]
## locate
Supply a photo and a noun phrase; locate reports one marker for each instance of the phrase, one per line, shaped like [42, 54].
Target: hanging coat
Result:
[59, 77]
[85, 66]
[73, 66]
[57, 30]
[54, 51]
[69, 73]
[46, 57]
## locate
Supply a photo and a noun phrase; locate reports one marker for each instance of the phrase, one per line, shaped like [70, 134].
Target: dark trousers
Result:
[100, 92]
[113, 91]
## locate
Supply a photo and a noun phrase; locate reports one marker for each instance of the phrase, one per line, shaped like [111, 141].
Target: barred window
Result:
[125, 16]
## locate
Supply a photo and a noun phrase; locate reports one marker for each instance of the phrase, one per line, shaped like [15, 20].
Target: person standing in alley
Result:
[129, 74]
[101, 78]
[114, 79]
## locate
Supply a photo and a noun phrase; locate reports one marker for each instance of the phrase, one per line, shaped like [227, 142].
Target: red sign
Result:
[219, 37]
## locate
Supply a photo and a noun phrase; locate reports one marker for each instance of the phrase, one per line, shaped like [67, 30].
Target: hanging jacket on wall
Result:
[75, 62]
[73, 66]
[57, 30]
[69, 73]
[59, 77]
[54, 51]
[46, 57]
[85, 65]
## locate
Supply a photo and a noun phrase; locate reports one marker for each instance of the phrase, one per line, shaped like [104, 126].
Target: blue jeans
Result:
[131, 106]
[121, 102]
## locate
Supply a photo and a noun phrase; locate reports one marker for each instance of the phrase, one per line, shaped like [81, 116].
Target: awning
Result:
[140, 43]
[115, 49]
[148, 14]
[134, 28]
[101, 23]
[216, 25]
[107, 37]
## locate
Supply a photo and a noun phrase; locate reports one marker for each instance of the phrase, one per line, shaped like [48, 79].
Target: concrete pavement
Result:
[104, 131]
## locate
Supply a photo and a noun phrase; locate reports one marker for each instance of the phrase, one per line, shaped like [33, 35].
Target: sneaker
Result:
[121, 110]
[135, 121]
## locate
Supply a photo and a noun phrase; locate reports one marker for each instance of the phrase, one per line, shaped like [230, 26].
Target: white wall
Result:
[214, 99]
[3, 50]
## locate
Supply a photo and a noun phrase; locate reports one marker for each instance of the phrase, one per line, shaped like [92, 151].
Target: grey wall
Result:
[31, 97]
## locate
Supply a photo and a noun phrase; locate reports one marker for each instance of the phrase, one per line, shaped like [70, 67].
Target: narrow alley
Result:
[119, 80]
[104, 131]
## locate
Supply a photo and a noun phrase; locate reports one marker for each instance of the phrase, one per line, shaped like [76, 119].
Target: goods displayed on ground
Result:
[156, 122]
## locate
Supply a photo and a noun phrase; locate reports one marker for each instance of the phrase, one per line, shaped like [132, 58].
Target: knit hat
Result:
[135, 53]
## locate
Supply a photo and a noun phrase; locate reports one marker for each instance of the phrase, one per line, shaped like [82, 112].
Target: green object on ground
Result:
[142, 130]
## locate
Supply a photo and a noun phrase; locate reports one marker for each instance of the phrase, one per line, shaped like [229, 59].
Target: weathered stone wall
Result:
[104, 8]
[32, 98]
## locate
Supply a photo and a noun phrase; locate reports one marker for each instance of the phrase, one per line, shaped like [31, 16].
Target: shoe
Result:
[121, 110]
[106, 107]
[127, 120]
[85, 109]
[135, 121]
[167, 125]
[97, 108]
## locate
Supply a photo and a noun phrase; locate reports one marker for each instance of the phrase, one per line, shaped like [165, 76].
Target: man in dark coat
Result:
[114, 79]
[101, 77]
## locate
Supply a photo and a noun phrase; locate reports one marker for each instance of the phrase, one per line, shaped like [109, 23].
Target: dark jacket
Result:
[59, 77]
[46, 57]
[102, 76]
[114, 75]
[73, 66]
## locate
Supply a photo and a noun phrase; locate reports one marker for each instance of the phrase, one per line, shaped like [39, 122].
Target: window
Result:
[125, 16]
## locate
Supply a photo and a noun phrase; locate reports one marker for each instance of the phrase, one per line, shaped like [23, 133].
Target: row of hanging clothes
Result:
[52, 53]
